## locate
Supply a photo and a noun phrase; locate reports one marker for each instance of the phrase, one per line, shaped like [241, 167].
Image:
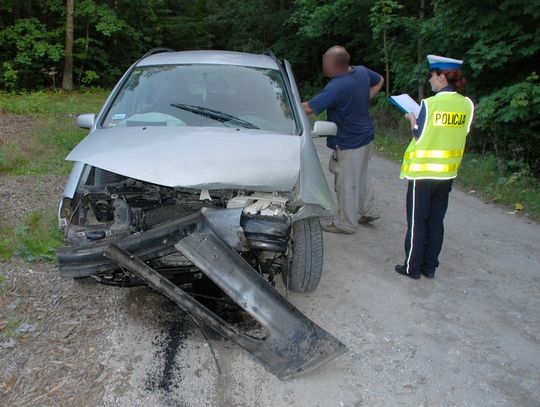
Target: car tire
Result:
[303, 271]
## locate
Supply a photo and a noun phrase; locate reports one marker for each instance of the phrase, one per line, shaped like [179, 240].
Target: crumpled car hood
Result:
[195, 157]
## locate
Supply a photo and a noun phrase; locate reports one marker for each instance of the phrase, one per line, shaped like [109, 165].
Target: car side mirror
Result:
[86, 121]
[324, 129]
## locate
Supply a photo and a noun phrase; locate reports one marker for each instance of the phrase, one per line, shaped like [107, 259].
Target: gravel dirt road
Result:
[470, 337]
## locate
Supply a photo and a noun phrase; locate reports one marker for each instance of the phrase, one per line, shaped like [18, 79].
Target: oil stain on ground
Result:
[167, 345]
[175, 329]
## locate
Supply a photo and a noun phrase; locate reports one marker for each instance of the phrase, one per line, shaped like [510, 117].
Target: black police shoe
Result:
[428, 275]
[403, 270]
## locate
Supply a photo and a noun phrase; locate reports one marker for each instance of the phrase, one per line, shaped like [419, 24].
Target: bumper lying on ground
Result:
[292, 344]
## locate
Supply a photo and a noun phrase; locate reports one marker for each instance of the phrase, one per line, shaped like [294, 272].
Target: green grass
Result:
[42, 149]
[490, 178]
[518, 190]
[53, 103]
[36, 239]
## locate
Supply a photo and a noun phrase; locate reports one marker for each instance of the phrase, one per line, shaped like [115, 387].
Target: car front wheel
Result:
[303, 270]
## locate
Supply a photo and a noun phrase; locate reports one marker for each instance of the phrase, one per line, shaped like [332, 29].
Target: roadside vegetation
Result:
[40, 151]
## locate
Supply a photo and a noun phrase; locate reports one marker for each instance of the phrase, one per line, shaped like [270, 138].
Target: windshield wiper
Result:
[215, 115]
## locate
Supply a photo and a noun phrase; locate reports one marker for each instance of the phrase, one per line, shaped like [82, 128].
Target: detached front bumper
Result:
[292, 344]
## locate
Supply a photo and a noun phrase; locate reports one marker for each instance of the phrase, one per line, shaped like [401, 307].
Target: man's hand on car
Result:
[307, 108]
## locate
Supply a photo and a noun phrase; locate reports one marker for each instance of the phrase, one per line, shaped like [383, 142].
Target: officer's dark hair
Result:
[453, 77]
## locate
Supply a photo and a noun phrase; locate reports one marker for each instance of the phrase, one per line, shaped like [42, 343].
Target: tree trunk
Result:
[419, 46]
[67, 78]
[87, 37]
[386, 65]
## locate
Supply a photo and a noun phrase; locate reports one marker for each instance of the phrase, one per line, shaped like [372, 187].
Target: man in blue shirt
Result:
[346, 99]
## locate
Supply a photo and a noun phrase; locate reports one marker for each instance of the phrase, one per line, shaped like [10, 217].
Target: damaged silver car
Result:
[200, 168]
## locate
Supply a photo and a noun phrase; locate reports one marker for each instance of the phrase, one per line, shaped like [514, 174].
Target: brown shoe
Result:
[332, 228]
[368, 219]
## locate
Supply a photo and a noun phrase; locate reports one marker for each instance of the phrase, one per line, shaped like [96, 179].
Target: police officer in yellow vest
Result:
[431, 163]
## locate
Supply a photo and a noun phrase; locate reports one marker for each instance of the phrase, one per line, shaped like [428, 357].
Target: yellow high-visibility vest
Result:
[438, 152]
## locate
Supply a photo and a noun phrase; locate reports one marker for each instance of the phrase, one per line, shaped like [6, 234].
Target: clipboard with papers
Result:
[406, 104]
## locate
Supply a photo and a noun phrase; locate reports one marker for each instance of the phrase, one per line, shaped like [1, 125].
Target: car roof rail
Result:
[157, 50]
[271, 54]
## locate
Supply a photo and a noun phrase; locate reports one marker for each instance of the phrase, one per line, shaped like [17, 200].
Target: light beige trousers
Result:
[353, 185]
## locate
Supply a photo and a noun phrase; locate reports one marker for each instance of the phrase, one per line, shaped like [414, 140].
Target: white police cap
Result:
[438, 62]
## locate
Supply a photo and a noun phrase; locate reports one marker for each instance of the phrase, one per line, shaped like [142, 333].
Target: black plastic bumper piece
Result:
[292, 345]
[85, 261]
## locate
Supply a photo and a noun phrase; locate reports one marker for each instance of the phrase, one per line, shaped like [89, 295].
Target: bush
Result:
[28, 44]
[508, 123]
[9, 77]
[89, 78]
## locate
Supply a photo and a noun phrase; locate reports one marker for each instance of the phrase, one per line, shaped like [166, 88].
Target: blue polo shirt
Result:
[346, 100]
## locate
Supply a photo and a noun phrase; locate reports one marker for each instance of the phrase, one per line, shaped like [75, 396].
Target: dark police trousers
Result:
[427, 201]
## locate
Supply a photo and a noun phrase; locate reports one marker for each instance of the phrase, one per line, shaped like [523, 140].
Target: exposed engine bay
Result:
[109, 206]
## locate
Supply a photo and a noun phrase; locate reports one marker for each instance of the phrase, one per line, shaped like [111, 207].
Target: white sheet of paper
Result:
[406, 103]
[205, 195]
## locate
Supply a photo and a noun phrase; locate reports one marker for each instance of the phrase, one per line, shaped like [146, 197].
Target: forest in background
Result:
[499, 41]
